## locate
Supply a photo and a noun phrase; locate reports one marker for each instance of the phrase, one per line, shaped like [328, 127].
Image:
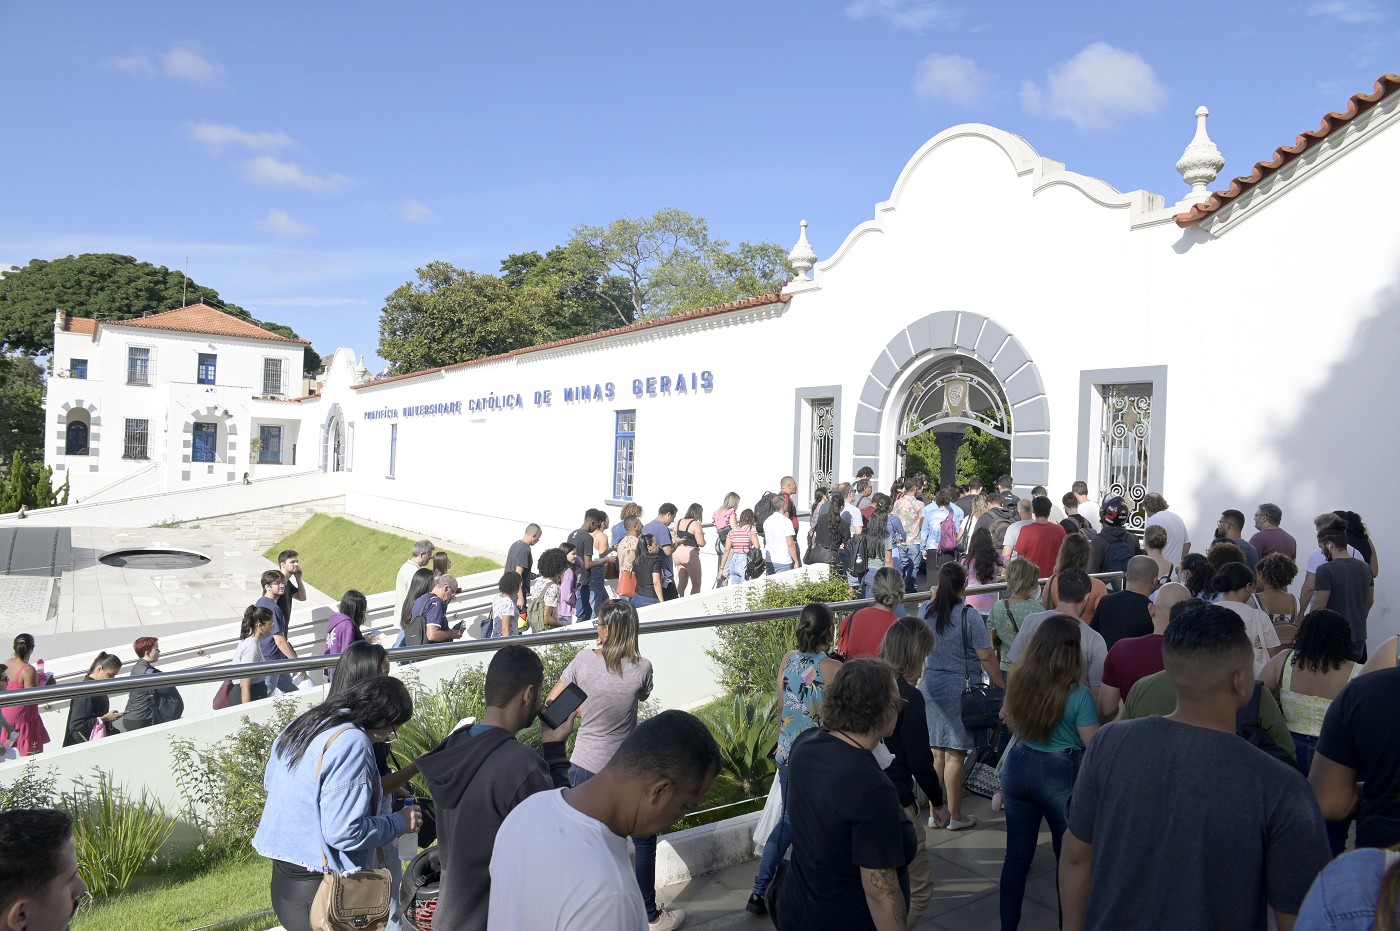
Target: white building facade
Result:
[1226, 350]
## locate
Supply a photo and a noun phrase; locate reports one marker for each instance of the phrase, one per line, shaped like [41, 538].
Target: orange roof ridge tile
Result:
[775, 297]
[1386, 85]
[206, 320]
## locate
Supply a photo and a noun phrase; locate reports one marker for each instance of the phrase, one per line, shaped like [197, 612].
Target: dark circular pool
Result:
[153, 559]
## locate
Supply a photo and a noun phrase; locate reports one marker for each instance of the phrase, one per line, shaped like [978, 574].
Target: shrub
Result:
[746, 731]
[221, 785]
[30, 789]
[747, 658]
[115, 837]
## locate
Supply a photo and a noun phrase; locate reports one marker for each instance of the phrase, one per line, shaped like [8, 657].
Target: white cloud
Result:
[1352, 12]
[267, 171]
[216, 137]
[414, 211]
[185, 62]
[909, 15]
[282, 223]
[951, 79]
[1096, 86]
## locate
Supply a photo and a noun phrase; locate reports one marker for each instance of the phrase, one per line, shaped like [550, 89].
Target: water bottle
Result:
[40, 677]
[408, 843]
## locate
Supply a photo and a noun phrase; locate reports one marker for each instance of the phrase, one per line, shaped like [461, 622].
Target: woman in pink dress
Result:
[24, 720]
[983, 565]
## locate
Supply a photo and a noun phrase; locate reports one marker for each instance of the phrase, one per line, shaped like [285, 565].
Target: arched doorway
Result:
[948, 396]
[1008, 394]
[333, 441]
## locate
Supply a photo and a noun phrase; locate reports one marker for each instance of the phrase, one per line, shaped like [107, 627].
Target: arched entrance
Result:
[973, 367]
[333, 441]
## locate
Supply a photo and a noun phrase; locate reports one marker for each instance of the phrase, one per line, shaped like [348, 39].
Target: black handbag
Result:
[980, 776]
[981, 703]
[754, 566]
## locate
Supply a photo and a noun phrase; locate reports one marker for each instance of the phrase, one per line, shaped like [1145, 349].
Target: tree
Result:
[669, 264]
[21, 407]
[101, 285]
[310, 358]
[570, 298]
[452, 315]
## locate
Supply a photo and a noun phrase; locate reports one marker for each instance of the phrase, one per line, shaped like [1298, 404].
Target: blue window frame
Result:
[208, 362]
[624, 455]
[77, 368]
[393, 448]
[206, 435]
[270, 453]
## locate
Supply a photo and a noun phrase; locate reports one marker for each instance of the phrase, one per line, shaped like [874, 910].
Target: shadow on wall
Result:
[1339, 449]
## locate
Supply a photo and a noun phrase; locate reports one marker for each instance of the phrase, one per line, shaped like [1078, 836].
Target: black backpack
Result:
[763, 510]
[1248, 726]
[1118, 553]
[1001, 522]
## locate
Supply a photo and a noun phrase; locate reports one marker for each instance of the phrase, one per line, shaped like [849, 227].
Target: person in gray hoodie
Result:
[480, 773]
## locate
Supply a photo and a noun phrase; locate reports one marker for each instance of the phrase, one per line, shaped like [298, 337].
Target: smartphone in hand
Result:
[563, 707]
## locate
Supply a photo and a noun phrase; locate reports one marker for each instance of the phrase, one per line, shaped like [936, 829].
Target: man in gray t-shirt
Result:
[1177, 822]
[1345, 584]
[1073, 589]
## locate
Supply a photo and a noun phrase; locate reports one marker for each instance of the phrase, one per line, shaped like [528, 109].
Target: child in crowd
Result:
[501, 622]
[568, 585]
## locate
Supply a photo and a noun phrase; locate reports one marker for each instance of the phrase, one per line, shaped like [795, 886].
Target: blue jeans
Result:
[1034, 785]
[598, 589]
[644, 848]
[906, 559]
[737, 563]
[775, 567]
[641, 601]
[281, 681]
[1305, 746]
[583, 599]
[778, 841]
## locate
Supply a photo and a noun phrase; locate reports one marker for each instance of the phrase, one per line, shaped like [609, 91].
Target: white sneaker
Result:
[669, 919]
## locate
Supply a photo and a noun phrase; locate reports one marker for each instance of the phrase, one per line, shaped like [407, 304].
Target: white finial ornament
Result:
[802, 257]
[1200, 163]
[361, 373]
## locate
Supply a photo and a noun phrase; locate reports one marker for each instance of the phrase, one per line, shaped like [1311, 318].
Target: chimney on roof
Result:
[58, 316]
[1200, 163]
[802, 255]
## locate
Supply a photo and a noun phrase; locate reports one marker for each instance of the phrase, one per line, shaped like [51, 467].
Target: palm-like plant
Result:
[746, 730]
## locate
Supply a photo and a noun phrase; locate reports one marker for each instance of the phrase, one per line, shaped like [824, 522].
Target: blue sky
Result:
[308, 157]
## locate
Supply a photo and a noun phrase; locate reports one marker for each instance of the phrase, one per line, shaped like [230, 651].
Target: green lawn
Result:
[338, 554]
[228, 891]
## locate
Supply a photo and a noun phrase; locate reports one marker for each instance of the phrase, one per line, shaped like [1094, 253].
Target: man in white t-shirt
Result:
[1024, 518]
[422, 555]
[780, 543]
[560, 860]
[1178, 541]
[1088, 507]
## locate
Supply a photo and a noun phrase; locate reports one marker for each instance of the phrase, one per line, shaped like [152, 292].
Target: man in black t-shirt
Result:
[520, 560]
[290, 564]
[1176, 821]
[582, 539]
[1127, 613]
[1361, 734]
[1345, 584]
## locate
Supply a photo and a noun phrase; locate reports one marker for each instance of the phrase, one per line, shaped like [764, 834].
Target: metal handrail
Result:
[51, 693]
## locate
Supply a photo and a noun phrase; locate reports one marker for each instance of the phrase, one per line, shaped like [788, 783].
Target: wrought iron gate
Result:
[1123, 447]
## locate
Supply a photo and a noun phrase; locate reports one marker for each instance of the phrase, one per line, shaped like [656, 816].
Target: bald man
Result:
[1133, 658]
[1125, 614]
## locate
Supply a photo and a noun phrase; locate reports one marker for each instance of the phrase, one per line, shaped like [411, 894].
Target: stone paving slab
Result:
[24, 602]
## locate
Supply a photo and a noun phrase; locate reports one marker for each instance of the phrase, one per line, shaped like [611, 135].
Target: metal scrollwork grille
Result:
[823, 445]
[1124, 447]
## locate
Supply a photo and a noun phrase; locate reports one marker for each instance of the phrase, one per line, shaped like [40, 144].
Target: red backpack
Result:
[948, 533]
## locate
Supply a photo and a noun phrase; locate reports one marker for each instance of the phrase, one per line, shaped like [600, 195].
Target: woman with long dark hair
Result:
[983, 564]
[1359, 539]
[24, 720]
[616, 678]
[832, 534]
[257, 623]
[1075, 553]
[1234, 584]
[1305, 680]
[1053, 716]
[418, 586]
[877, 543]
[361, 660]
[1196, 574]
[324, 794]
[86, 710]
[343, 627]
[961, 644]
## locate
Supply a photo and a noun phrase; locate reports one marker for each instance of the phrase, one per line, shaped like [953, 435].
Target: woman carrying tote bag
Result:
[320, 825]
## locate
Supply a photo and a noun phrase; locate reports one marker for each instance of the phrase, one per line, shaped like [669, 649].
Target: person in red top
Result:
[1040, 540]
[1134, 658]
[862, 632]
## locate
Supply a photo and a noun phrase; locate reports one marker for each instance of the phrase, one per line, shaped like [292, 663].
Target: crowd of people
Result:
[1201, 743]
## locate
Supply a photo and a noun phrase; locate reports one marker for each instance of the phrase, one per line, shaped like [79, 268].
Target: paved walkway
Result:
[966, 870]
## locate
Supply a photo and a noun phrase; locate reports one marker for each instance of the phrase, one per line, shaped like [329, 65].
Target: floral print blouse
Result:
[802, 698]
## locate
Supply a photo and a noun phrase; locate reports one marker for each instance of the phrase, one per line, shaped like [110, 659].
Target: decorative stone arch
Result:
[335, 442]
[954, 333]
[79, 411]
[217, 413]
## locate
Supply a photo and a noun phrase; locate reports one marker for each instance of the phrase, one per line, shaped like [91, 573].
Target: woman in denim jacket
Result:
[322, 773]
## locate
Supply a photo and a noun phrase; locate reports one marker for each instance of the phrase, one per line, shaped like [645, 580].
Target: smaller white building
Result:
[172, 400]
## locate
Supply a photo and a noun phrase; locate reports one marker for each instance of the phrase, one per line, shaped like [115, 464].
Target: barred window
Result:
[136, 439]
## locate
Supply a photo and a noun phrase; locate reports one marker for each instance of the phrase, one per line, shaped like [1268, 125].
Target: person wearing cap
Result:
[1113, 540]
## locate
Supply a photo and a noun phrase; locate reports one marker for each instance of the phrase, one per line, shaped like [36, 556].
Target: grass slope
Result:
[338, 554]
[225, 892]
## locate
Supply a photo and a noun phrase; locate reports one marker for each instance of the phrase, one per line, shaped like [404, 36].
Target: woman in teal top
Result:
[1053, 716]
[801, 682]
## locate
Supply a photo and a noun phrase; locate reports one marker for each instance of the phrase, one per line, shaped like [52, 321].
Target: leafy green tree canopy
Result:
[21, 407]
[102, 285]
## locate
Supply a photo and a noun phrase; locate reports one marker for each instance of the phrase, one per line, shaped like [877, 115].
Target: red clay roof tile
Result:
[201, 318]
[83, 325]
[1386, 85]
[776, 297]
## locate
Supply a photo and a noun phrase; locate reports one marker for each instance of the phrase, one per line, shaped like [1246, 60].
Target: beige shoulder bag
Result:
[357, 901]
